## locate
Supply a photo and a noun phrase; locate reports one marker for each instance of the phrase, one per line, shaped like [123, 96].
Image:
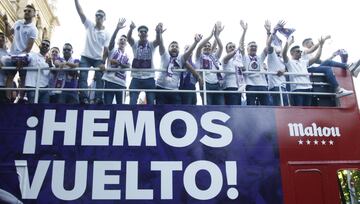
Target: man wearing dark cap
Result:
[24, 33]
[143, 59]
[95, 52]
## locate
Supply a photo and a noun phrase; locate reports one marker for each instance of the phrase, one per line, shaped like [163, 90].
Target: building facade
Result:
[45, 20]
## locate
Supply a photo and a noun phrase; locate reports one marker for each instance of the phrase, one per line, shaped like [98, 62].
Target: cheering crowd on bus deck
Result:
[243, 68]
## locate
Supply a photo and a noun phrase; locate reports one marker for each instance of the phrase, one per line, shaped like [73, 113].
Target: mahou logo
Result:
[314, 134]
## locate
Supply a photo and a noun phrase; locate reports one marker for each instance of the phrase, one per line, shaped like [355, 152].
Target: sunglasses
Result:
[99, 16]
[27, 11]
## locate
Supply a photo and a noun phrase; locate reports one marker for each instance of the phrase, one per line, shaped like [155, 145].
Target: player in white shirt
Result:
[170, 79]
[95, 52]
[24, 34]
[255, 63]
[310, 48]
[207, 59]
[232, 62]
[39, 61]
[275, 64]
[143, 51]
[327, 65]
[117, 59]
[298, 65]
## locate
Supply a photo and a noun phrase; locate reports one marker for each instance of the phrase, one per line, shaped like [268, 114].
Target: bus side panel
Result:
[313, 137]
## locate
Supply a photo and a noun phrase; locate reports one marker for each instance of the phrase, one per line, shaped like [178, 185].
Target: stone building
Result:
[45, 20]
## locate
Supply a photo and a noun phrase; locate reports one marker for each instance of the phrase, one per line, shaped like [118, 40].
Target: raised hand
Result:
[132, 25]
[160, 28]
[198, 37]
[243, 25]
[267, 26]
[219, 27]
[281, 24]
[121, 23]
[291, 40]
[327, 37]
[4, 18]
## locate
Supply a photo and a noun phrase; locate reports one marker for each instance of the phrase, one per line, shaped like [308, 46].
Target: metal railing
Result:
[204, 91]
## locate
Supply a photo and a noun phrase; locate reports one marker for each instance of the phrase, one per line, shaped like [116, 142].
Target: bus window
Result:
[349, 186]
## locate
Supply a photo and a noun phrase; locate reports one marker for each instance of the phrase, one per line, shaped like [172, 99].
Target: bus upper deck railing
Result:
[202, 91]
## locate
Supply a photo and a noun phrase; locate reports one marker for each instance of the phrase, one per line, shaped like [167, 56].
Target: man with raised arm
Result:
[298, 65]
[276, 64]
[254, 63]
[326, 67]
[170, 80]
[207, 59]
[233, 63]
[24, 33]
[188, 82]
[117, 59]
[143, 51]
[310, 48]
[95, 52]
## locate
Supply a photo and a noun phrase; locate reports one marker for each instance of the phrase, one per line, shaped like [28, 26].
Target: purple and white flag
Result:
[284, 31]
[276, 41]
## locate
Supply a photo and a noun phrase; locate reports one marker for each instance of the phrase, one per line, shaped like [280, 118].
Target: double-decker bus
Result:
[181, 153]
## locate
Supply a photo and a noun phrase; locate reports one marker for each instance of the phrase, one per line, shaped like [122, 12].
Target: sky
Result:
[183, 19]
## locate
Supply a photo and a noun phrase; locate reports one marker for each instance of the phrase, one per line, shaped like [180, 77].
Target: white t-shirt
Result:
[235, 64]
[210, 62]
[117, 77]
[96, 40]
[255, 64]
[37, 60]
[274, 65]
[170, 79]
[143, 53]
[22, 34]
[300, 67]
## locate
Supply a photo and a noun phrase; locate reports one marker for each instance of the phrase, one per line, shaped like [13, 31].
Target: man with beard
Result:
[24, 33]
[143, 59]
[39, 61]
[169, 79]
